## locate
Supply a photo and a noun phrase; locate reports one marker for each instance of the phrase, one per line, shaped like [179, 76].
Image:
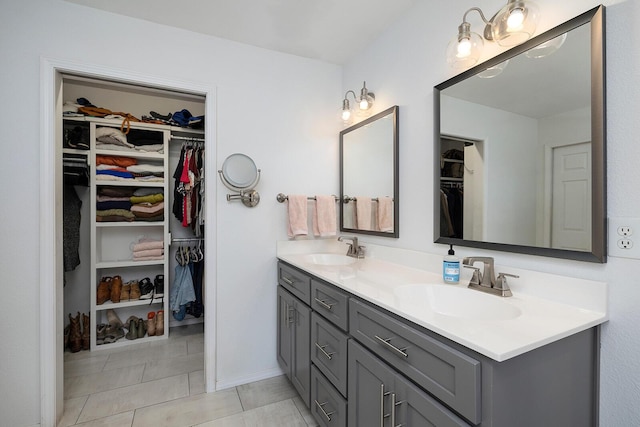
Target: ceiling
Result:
[328, 30]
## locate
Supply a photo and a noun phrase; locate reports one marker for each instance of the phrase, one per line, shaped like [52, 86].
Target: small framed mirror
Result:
[369, 176]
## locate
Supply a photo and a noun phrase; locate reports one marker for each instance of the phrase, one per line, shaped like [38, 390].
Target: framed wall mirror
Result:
[520, 144]
[369, 175]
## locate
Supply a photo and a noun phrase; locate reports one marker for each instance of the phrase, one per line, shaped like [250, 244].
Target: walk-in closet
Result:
[133, 212]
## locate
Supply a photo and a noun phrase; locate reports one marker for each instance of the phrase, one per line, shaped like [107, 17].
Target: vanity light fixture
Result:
[365, 102]
[513, 24]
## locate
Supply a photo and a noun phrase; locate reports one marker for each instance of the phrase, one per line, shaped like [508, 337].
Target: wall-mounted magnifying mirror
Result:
[369, 175]
[520, 156]
[240, 174]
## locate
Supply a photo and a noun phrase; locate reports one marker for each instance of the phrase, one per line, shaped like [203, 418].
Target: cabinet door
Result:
[285, 319]
[301, 354]
[414, 407]
[369, 389]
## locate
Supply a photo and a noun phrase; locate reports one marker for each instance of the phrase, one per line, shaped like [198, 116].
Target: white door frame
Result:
[51, 290]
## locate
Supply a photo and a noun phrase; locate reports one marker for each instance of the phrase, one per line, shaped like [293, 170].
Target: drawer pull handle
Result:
[288, 281]
[382, 394]
[324, 303]
[322, 349]
[400, 351]
[325, 413]
[290, 319]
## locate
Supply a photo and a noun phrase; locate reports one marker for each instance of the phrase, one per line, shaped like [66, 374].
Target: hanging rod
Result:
[281, 198]
[347, 199]
[187, 138]
[186, 239]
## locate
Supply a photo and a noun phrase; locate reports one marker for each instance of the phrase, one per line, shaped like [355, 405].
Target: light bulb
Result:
[464, 48]
[364, 104]
[516, 18]
[346, 115]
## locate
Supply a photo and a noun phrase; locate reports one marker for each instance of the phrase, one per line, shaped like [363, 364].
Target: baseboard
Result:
[224, 384]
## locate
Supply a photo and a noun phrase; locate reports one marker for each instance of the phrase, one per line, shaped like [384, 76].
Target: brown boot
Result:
[151, 323]
[104, 290]
[125, 293]
[75, 334]
[86, 332]
[134, 294]
[160, 323]
[113, 319]
[116, 288]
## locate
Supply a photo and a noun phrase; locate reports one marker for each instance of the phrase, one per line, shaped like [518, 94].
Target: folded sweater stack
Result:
[148, 249]
[114, 204]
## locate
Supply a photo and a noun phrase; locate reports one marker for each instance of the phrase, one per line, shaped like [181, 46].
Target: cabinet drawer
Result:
[331, 302]
[296, 282]
[329, 351]
[327, 406]
[449, 375]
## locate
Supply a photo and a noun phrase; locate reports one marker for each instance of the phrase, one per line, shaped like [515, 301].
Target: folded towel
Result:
[385, 213]
[363, 212]
[324, 216]
[297, 209]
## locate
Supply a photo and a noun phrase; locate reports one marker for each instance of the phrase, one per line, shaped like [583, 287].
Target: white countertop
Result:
[550, 307]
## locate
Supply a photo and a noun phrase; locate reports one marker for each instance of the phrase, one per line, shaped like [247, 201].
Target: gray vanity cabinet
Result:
[379, 396]
[294, 320]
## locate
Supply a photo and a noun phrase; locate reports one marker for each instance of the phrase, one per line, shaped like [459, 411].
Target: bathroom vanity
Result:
[381, 342]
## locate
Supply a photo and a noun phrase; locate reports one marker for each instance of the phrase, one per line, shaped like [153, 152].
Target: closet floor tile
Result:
[157, 351]
[72, 409]
[119, 420]
[196, 382]
[265, 392]
[189, 410]
[84, 366]
[163, 368]
[102, 381]
[125, 399]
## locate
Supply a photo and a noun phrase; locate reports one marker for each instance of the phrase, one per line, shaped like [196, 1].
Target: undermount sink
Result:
[455, 301]
[329, 259]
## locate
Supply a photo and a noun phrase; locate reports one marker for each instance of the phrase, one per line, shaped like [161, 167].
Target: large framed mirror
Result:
[520, 147]
[369, 175]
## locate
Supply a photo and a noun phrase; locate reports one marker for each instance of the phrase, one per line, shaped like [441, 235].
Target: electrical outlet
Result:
[621, 238]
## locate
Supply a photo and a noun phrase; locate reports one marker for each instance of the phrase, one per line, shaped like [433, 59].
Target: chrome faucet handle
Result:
[501, 284]
[476, 278]
[486, 278]
[354, 248]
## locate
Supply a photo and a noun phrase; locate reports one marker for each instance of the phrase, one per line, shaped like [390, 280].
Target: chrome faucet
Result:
[485, 280]
[354, 250]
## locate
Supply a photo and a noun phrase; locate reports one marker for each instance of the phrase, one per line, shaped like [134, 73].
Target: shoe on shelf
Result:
[101, 333]
[104, 290]
[160, 323]
[146, 288]
[113, 319]
[134, 293]
[132, 333]
[112, 334]
[116, 289]
[158, 283]
[151, 323]
[125, 293]
[142, 328]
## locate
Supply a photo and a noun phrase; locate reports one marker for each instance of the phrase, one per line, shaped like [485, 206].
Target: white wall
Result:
[402, 67]
[279, 109]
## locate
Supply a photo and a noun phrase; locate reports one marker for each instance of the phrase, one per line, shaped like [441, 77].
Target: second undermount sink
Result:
[455, 301]
[329, 259]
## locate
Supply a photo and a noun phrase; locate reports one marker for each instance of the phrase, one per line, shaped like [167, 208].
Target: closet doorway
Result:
[58, 79]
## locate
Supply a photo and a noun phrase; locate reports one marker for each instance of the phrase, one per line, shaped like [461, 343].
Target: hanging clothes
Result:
[186, 291]
[71, 228]
[188, 194]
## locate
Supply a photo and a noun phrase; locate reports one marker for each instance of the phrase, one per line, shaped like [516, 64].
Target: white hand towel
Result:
[385, 213]
[363, 212]
[297, 218]
[324, 216]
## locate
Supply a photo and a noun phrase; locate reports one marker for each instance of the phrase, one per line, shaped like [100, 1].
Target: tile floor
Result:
[162, 384]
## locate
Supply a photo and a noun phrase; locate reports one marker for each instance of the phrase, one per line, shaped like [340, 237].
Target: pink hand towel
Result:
[324, 216]
[385, 213]
[297, 207]
[363, 212]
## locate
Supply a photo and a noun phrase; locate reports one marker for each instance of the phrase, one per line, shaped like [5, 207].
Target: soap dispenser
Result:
[451, 267]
